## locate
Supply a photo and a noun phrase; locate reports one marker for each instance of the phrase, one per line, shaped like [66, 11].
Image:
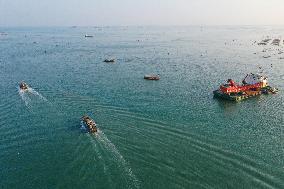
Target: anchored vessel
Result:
[152, 77]
[276, 42]
[264, 42]
[90, 124]
[252, 85]
[23, 86]
[109, 60]
[88, 35]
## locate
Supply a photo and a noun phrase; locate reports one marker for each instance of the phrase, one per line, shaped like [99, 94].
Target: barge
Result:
[252, 85]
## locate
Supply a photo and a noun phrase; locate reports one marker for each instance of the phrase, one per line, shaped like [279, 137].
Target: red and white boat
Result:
[252, 85]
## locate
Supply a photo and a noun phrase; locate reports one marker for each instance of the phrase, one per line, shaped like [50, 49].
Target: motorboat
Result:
[90, 124]
[23, 86]
[152, 77]
[109, 60]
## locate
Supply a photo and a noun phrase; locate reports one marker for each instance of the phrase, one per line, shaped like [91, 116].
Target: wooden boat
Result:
[89, 124]
[23, 86]
[152, 77]
[276, 42]
[266, 56]
[264, 42]
[109, 60]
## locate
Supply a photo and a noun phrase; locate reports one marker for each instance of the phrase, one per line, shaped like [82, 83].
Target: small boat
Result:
[3, 34]
[23, 86]
[109, 60]
[90, 124]
[269, 90]
[152, 77]
[264, 42]
[88, 35]
[276, 42]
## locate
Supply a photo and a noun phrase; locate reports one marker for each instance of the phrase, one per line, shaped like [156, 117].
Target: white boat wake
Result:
[27, 95]
[32, 91]
[132, 181]
[25, 98]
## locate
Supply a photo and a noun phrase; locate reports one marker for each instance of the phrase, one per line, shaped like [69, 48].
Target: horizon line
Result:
[145, 25]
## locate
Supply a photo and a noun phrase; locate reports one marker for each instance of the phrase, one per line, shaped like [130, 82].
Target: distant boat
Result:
[88, 35]
[109, 60]
[276, 42]
[152, 77]
[264, 42]
[266, 56]
[4, 34]
[23, 86]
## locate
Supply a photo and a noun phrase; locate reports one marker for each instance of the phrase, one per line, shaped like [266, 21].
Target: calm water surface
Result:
[170, 133]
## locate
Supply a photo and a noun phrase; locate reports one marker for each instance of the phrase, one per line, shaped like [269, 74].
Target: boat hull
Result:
[89, 124]
[237, 96]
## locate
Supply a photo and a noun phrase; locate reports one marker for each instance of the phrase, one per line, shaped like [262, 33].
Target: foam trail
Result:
[34, 92]
[25, 98]
[110, 146]
[105, 167]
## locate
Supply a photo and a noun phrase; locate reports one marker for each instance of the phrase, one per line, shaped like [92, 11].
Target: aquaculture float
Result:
[252, 85]
[90, 124]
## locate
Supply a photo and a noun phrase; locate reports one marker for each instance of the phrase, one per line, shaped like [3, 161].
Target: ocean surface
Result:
[170, 133]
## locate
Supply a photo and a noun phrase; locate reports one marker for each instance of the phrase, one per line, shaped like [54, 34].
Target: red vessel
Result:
[250, 82]
[252, 85]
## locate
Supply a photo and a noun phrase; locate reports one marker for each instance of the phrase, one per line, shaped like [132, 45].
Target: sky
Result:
[140, 12]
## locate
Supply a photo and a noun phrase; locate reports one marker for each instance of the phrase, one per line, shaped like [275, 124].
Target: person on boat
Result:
[23, 86]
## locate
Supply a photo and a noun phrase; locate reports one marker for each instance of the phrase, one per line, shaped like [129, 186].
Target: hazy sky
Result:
[140, 12]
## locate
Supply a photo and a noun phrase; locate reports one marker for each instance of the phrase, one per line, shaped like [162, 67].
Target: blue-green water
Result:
[152, 134]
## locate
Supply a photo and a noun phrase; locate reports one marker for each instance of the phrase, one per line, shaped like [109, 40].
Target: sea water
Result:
[169, 133]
